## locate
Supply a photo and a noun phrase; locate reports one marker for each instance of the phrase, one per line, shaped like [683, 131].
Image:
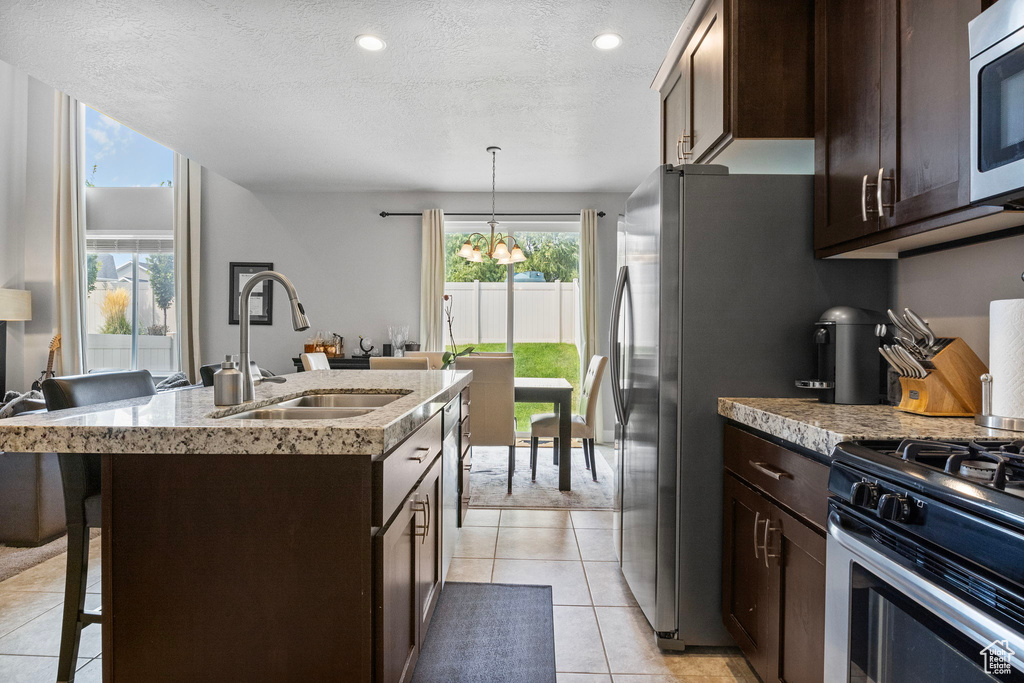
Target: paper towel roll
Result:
[1006, 356]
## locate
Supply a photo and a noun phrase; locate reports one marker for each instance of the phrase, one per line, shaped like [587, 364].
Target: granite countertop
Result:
[820, 426]
[188, 422]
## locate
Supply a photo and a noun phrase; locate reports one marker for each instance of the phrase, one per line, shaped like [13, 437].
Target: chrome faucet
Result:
[299, 323]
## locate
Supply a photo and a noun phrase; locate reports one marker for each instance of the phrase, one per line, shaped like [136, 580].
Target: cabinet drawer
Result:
[794, 480]
[396, 474]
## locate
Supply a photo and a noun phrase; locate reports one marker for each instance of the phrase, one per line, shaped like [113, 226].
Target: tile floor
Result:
[601, 636]
[31, 606]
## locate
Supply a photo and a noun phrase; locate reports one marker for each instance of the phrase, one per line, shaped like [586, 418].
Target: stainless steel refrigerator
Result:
[717, 293]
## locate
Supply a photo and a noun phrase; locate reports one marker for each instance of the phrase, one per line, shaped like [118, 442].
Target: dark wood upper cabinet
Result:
[892, 127]
[673, 119]
[847, 124]
[703, 67]
[737, 82]
[925, 114]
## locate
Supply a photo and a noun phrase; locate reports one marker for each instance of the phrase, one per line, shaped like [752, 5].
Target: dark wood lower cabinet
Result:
[796, 601]
[407, 555]
[744, 571]
[773, 579]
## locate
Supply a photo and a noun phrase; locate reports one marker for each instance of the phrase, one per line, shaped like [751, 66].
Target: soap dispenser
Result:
[227, 383]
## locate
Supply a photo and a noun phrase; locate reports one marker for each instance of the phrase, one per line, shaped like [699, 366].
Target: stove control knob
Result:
[864, 494]
[894, 508]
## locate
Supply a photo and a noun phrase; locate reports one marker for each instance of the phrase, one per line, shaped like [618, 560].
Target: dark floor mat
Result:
[489, 633]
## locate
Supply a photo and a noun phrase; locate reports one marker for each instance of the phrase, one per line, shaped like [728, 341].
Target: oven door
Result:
[997, 122]
[888, 622]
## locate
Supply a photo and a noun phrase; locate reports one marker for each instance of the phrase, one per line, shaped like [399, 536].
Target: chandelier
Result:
[503, 248]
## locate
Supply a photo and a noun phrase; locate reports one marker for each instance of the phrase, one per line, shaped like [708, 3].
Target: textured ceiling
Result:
[276, 96]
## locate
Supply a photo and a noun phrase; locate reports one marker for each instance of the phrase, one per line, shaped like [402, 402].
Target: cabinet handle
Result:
[687, 141]
[757, 520]
[765, 468]
[428, 515]
[863, 199]
[424, 507]
[768, 528]
[882, 206]
[679, 154]
[423, 451]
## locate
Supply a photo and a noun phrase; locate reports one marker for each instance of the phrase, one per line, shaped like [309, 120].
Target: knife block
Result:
[952, 387]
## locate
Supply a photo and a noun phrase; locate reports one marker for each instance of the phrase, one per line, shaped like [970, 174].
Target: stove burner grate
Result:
[959, 460]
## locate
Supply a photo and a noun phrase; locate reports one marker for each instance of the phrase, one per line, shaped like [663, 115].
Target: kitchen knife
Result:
[918, 369]
[896, 360]
[889, 359]
[919, 323]
[903, 327]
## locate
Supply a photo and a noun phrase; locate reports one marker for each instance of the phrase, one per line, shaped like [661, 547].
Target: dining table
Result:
[558, 392]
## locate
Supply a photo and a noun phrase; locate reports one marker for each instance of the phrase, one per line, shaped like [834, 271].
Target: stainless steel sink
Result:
[319, 407]
[340, 401]
[299, 413]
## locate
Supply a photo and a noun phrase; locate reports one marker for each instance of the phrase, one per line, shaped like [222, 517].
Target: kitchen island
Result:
[265, 549]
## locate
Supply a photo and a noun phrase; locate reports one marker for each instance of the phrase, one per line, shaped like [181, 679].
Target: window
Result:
[130, 315]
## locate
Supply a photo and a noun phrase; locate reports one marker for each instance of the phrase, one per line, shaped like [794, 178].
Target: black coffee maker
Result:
[851, 371]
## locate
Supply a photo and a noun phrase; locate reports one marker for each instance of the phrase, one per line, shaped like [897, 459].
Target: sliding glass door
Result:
[529, 308]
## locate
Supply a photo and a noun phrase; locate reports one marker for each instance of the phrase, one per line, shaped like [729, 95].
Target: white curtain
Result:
[187, 209]
[69, 233]
[588, 287]
[432, 281]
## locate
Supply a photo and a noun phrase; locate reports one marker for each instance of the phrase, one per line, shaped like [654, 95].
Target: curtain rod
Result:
[386, 214]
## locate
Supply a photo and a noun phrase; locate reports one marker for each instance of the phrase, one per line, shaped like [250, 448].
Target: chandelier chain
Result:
[494, 162]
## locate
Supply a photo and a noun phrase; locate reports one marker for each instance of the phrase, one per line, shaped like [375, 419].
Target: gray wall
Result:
[952, 289]
[26, 210]
[356, 273]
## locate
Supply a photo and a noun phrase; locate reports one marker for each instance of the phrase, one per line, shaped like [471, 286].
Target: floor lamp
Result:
[15, 305]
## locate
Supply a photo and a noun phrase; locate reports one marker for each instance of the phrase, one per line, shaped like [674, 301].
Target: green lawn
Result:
[541, 360]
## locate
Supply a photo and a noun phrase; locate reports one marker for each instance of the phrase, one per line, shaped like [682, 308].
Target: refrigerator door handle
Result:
[615, 344]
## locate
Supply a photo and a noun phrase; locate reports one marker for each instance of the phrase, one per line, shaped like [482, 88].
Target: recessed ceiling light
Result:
[371, 43]
[607, 41]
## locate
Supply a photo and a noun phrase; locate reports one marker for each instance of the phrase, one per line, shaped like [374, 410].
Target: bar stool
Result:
[80, 473]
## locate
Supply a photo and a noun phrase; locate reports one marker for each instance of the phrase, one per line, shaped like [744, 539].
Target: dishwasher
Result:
[450, 482]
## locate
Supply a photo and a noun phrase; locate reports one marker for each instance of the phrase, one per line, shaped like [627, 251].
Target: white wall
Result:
[952, 289]
[26, 201]
[356, 273]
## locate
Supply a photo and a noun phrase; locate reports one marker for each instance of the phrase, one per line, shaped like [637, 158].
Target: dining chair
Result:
[582, 425]
[315, 361]
[494, 414]
[399, 363]
[434, 358]
[80, 474]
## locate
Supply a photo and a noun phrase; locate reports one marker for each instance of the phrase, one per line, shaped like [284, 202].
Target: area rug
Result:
[489, 633]
[14, 561]
[489, 481]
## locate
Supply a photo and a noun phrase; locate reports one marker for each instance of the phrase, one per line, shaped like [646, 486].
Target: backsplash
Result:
[952, 289]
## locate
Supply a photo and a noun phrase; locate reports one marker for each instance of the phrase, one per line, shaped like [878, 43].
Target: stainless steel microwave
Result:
[997, 104]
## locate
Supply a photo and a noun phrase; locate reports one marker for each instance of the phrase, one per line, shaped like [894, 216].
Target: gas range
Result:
[983, 477]
[925, 555]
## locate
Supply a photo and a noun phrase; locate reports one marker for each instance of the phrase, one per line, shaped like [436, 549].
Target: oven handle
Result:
[961, 615]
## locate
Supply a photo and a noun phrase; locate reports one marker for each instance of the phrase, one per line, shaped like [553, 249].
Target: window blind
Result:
[129, 245]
